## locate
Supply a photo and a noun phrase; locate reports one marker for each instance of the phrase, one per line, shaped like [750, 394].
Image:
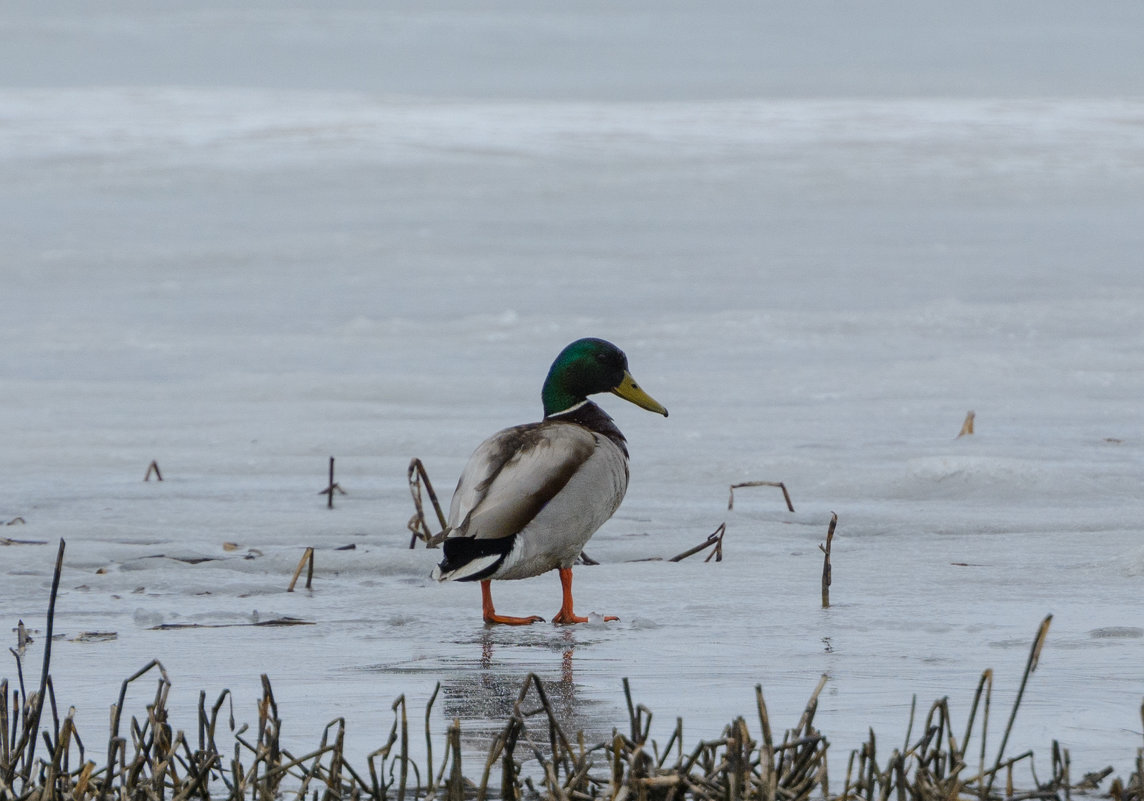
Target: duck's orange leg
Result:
[566, 615]
[491, 615]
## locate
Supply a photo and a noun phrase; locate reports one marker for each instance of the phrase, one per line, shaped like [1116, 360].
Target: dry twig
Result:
[714, 541]
[779, 484]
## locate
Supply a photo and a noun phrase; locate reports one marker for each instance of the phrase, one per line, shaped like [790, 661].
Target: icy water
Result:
[241, 242]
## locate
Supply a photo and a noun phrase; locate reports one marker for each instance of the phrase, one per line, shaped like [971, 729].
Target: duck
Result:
[531, 496]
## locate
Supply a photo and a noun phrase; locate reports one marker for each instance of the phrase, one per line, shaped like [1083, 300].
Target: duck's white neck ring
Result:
[569, 410]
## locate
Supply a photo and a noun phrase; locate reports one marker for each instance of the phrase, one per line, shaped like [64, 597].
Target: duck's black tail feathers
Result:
[469, 559]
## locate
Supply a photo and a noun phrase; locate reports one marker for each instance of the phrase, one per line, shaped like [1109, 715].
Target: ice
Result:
[240, 269]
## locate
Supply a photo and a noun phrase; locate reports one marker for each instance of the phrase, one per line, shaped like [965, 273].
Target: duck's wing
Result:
[514, 474]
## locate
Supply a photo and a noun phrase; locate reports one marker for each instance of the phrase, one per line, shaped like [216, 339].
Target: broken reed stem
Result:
[779, 484]
[332, 487]
[1140, 767]
[117, 710]
[715, 539]
[419, 529]
[984, 686]
[826, 561]
[307, 561]
[967, 426]
[456, 777]
[811, 707]
[400, 702]
[419, 475]
[428, 737]
[34, 725]
[910, 724]
[1030, 666]
[153, 468]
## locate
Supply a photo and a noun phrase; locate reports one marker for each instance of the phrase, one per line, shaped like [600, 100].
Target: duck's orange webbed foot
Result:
[490, 614]
[569, 617]
[566, 615]
[509, 620]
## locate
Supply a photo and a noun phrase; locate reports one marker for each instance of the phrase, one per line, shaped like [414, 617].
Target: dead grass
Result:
[44, 758]
[149, 759]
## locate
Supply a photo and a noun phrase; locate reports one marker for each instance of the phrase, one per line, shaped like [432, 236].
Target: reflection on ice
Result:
[484, 676]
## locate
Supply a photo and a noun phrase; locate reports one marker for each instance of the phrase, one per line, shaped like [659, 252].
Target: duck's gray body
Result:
[532, 496]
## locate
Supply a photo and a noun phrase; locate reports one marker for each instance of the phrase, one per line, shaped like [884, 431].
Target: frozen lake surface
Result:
[819, 277]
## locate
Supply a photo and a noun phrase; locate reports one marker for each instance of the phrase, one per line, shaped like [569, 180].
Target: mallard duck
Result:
[531, 496]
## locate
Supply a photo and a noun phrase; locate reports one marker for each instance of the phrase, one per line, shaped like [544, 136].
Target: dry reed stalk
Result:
[1140, 774]
[307, 561]
[768, 780]
[984, 687]
[259, 624]
[456, 777]
[494, 754]
[400, 702]
[1030, 666]
[429, 737]
[714, 540]
[268, 747]
[38, 703]
[153, 468]
[4, 541]
[910, 722]
[5, 745]
[826, 570]
[967, 426]
[807, 718]
[779, 484]
[331, 487]
[333, 781]
[510, 773]
[382, 754]
[418, 476]
[308, 776]
[1060, 769]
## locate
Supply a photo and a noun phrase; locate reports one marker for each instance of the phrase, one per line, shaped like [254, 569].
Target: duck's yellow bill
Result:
[629, 390]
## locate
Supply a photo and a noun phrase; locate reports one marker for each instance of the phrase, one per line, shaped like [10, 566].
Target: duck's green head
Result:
[589, 366]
